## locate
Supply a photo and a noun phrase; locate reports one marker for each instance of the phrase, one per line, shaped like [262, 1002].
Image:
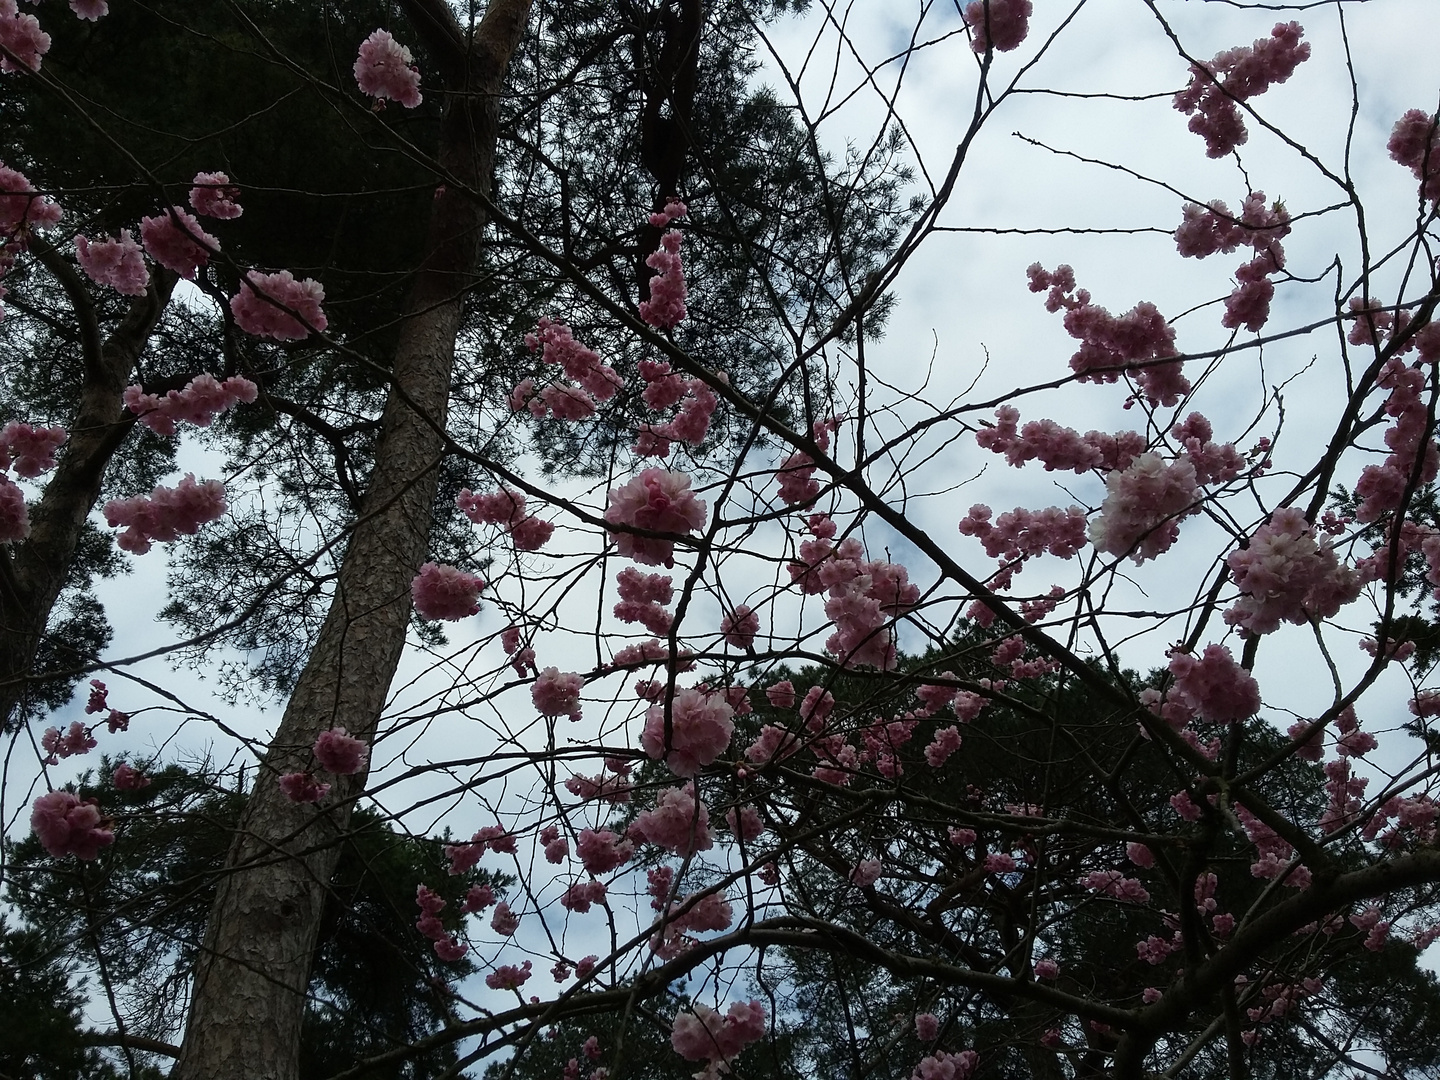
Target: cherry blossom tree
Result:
[755, 706]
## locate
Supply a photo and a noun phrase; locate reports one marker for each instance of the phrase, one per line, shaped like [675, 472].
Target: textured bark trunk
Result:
[249, 997]
[32, 573]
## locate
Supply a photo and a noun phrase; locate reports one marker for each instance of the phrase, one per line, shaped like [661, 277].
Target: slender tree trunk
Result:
[249, 997]
[33, 572]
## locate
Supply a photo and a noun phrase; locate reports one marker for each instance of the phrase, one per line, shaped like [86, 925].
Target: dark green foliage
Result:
[376, 983]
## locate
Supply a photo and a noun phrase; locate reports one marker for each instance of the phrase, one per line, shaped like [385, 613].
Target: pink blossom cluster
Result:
[214, 196]
[445, 592]
[1215, 687]
[447, 947]
[1057, 447]
[302, 787]
[612, 789]
[1345, 794]
[666, 306]
[1137, 343]
[90, 10]
[745, 822]
[943, 1065]
[1215, 463]
[506, 508]
[279, 307]
[509, 976]
[175, 240]
[127, 778]
[1279, 999]
[14, 517]
[29, 450]
[1143, 505]
[657, 501]
[702, 1033]
[21, 35]
[58, 744]
[118, 263]
[1375, 928]
[998, 24]
[385, 69]
[65, 825]
[700, 724]
[1381, 488]
[1415, 144]
[338, 752]
[580, 896]
[166, 514]
[642, 599]
[740, 627]
[796, 474]
[1020, 533]
[21, 207]
[203, 399]
[927, 1027]
[1376, 325]
[1237, 75]
[1206, 230]
[557, 693]
[1114, 884]
[594, 381]
[680, 822]
[601, 851]
[690, 425]
[1288, 576]
[1273, 854]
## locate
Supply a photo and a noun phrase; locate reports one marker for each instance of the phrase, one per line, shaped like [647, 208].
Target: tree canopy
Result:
[503, 392]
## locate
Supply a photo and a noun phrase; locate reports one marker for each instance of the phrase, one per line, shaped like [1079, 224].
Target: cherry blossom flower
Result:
[165, 514]
[1414, 144]
[29, 450]
[214, 196]
[1143, 507]
[700, 726]
[445, 592]
[1215, 686]
[1237, 75]
[176, 241]
[503, 921]
[203, 399]
[300, 787]
[702, 1033]
[385, 69]
[601, 851]
[557, 694]
[927, 1027]
[279, 307]
[337, 752]
[90, 10]
[14, 517]
[118, 263]
[944, 1065]
[508, 976]
[21, 206]
[65, 825]
[21, 35]
[1287, 575]
[126, 778]
[680, 822]
[999, 23]
[659, 501]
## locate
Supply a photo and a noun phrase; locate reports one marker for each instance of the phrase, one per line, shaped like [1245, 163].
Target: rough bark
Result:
[249, 996]
[33, 572]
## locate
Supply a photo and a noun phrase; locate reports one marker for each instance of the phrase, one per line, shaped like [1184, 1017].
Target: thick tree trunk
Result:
[32, 573]
[249, 997]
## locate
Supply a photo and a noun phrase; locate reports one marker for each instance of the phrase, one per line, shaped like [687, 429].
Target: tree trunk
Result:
[33, 572]
[249, 996]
